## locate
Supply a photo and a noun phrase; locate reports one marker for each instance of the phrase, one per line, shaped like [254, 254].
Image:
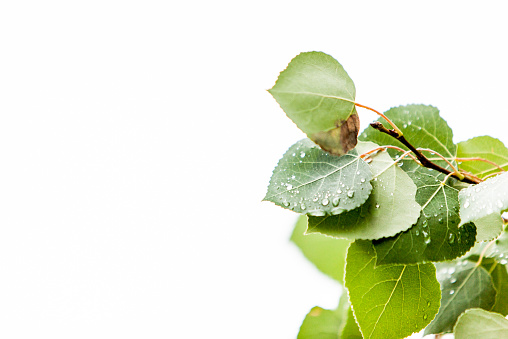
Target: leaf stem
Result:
[484, 251]
[422, 158]
[456, 171]
[481, 159]
[395, 128]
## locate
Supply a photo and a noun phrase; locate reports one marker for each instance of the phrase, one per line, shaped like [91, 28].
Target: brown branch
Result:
[422, 158]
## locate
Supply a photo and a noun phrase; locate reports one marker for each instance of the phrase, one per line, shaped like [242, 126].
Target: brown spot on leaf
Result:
[342, 139]
[316, 311]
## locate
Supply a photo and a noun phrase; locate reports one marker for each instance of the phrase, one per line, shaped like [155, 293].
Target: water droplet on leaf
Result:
[325, 202]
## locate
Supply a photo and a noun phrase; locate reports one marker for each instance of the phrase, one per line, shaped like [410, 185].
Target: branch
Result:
[422, 158]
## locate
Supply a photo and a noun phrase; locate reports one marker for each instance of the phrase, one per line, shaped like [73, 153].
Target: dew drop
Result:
[350, 194]
[293, 177]
[452, 291]
[294, 154]
[358, 173]
[339, 191]
[451, 238]
[466, 204]
[451, 270]
[302, 154]
[427, 240]
[285, 203]
[302, 206]
[362, 180]
[377, 205]
[417, 232]
[315, 199]
[453, 280]
[325, 202]
[400, 164]
[335, 201]
[504, 262]
[289, 187]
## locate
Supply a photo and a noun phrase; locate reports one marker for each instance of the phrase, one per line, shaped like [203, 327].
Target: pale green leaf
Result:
[422, 126]
[318, 95]
[321, 324]
[437, 235]
[489, 227]
[311, 181]
[390, 209]
[483, 147]
[325, 324]
[326, 253]
[351, 329]
[485, 198]
[463, 285]
[476, 323]
[389, 301]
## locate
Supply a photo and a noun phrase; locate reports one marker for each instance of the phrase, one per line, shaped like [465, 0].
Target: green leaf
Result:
[483, 147]
[422, 127]
[320, 323]
[477, 323]
[391, 207]
[463, 285]
[489, 227]
[351, 330]
[485, 198]
[310, 181]
[326, 253]
[325, 324]
[499, 277]
[436, 236]
[389, 301]
[318, 95]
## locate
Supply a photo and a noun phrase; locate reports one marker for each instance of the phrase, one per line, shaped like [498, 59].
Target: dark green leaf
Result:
[483, 147]
[479, 324]
[389, 301]
[310, 181]
[327, 253]
[391, 207]
[318, 95]
[463, 285]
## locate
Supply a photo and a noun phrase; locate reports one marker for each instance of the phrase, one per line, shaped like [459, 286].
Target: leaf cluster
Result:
[410, 222]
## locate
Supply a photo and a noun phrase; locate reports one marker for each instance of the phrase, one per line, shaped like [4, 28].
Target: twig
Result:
[422, 158]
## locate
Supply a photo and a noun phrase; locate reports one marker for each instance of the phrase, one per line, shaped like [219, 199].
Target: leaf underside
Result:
[484, 199]
[477, 323]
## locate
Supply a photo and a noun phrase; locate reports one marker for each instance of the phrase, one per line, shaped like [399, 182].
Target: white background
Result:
[137, 140]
